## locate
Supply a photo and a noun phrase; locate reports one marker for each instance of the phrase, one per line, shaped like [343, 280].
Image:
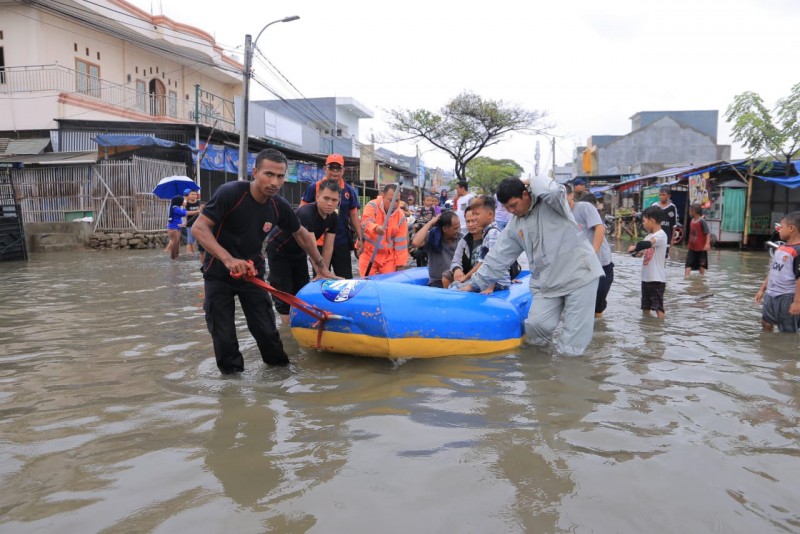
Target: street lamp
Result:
[249, 45]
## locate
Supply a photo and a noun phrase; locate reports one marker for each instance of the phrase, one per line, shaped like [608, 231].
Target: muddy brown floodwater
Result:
[114, 418]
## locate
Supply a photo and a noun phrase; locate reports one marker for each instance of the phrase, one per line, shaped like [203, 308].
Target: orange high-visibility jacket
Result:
[393, 245]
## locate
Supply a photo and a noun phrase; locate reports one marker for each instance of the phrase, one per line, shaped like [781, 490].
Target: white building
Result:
[107, 60]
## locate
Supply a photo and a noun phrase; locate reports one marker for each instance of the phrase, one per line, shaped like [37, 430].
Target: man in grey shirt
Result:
[564, 266]
[584, 209]
[439, 238]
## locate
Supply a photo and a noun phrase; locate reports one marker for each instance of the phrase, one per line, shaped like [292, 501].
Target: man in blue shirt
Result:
[342, 261]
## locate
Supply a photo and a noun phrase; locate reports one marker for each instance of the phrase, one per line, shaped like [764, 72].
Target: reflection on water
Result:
[114, 417]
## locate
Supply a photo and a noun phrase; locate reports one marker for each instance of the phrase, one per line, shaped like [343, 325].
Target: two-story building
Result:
[107, 61]
[658, 140]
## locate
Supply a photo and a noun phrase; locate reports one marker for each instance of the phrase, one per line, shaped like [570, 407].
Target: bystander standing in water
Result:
[177, 212]
[779, 295]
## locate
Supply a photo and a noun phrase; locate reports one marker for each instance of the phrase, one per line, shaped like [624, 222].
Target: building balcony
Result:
[30, 87]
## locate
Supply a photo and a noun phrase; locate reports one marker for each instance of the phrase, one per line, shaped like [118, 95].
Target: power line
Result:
[321, 114]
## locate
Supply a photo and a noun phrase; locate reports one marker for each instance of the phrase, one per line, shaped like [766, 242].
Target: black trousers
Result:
[257, 306]
[289, 274]
[342, 261]
[603, 286]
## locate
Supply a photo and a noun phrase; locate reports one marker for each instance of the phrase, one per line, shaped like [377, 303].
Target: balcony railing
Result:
[43, 78]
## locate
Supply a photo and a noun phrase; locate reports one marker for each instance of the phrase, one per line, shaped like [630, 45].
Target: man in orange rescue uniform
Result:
[391, 242]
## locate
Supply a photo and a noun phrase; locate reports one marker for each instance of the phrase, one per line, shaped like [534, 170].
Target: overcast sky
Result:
[590, 65]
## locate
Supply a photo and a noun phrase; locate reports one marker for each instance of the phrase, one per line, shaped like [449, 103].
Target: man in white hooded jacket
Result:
[564, 267]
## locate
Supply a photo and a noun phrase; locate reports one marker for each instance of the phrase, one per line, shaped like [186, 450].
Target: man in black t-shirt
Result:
[232, 228]
[288, 267]
[192, 210]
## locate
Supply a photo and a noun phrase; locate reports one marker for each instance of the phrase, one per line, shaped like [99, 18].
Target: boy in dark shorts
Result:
[780, 292]
[654, 265]
[699, 242]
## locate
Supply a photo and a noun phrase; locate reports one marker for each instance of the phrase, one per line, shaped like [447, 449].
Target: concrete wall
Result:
[319, 114]
[662, 142]
[704, 121]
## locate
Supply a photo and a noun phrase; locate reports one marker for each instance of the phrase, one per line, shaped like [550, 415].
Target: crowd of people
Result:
[472, 247]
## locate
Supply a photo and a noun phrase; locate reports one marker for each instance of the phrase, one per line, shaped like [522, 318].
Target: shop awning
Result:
[50, 158]
[678, 172]
[137, 140]
[776, 173]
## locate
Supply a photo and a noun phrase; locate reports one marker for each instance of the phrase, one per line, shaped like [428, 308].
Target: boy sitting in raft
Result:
[483, 207]
[467, 253]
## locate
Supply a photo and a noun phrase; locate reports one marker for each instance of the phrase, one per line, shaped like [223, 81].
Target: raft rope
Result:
[319, 314]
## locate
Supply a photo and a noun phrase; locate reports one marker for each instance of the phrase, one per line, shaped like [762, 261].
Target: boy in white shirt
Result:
[653, 248]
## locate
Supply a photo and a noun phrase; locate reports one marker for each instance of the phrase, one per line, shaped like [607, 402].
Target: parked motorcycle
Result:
[774, 241]
[610, 222]
[419, 255]
[677, 234]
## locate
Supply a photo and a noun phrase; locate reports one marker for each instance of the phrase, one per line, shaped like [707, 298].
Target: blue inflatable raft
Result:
[397, 316]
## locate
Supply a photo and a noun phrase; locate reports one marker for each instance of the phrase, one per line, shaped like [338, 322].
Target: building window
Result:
[172, 104]
[75, 46]
[88, 78]
[98, 56]
[141, 95]
[2, 66]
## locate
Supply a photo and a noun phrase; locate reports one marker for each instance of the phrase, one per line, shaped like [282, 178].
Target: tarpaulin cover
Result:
[136, 140]
[776, 174]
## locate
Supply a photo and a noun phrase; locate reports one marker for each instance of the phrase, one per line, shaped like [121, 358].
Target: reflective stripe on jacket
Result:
[393, 245]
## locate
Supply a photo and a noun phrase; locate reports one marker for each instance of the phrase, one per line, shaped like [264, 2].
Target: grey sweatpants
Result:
[578, 310]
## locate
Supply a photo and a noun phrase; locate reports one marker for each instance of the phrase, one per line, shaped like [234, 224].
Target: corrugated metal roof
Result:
[26, 146]
[686, 170]
[52, 158]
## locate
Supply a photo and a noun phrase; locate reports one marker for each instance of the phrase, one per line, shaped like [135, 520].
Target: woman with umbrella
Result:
[176, 215]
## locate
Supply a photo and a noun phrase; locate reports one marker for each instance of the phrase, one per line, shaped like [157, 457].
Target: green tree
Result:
[465, 126]
[762, 136]
[484, 174]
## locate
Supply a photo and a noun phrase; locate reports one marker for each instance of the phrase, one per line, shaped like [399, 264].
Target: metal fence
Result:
[213, 109]
[117, 194]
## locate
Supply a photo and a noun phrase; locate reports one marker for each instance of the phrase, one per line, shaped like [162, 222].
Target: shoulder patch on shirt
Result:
[267, 227]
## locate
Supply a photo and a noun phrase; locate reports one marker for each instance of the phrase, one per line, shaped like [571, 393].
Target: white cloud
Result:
[591, 65]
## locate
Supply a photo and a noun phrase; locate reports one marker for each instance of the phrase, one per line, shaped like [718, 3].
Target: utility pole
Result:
[197, 132]
[249, 44]
[248, 60]
[536, 159]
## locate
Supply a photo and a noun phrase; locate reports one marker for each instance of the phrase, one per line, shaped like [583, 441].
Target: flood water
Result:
[114, 418]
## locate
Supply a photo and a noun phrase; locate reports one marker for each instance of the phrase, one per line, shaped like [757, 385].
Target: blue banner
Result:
[222, 158]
